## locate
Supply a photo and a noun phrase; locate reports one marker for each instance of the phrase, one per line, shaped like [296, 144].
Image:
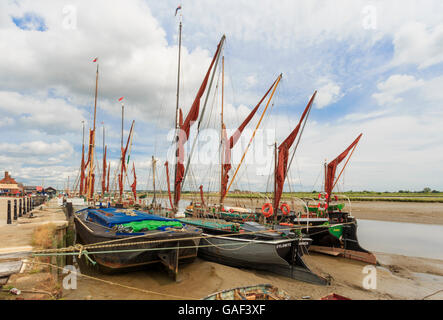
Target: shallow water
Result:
[409, 239]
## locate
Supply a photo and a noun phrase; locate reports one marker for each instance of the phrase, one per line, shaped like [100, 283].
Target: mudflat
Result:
[415, 212]
[398, 277]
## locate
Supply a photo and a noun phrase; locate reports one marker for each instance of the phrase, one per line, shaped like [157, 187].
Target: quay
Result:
[16, 236]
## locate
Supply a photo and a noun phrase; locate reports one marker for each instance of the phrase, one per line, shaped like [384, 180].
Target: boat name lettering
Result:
[283, 245]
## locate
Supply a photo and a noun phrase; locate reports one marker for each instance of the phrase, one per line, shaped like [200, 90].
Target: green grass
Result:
[431, 197]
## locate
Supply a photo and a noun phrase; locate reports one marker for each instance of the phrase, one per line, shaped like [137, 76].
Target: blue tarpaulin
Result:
[110, 217]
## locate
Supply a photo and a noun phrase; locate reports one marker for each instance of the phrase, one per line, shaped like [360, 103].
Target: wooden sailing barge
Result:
[248, 245]
[122, 239]
[332, 230]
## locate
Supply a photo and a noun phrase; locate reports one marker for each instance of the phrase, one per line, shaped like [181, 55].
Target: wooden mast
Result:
[203, 109]
[82, 166]
[122, 180]
[177, 125]
[275, 180]
[104, 164]
[222, 146]
[92, 146]
[153, 178]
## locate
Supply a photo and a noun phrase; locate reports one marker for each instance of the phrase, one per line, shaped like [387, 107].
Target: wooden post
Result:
[15, 209]
[9, 220]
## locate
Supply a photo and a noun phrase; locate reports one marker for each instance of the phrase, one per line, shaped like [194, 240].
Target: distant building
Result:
[8, 186]
[51, 191]
[32, 189]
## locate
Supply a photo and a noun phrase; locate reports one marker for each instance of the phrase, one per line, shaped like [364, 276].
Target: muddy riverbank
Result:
[398, 277]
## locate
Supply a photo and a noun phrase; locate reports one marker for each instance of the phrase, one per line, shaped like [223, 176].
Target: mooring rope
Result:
[118, 284]
[93, 246]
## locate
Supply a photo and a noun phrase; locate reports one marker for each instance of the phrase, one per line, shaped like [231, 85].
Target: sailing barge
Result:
[253, 246]
[332, 230]
[126, 239]
[248, 245]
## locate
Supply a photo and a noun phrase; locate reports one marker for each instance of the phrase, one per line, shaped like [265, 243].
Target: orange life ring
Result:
[231, 210]
[287, 224]
[267, 210]
[285, 209]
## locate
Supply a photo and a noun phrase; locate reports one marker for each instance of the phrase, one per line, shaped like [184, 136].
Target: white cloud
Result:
[390, 91]
[328, 93]
[251, 80]
[415, 43]
[50, 115]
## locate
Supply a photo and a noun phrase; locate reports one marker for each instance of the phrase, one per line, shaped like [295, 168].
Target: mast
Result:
[178, 75]
[123, 117]
[221, 131]
[177, 124]
[121, 179]
[185, 126]
[204, 108]
[275, 178]
[153, 178]
[82, 166]
[92, 144]
[104, 164]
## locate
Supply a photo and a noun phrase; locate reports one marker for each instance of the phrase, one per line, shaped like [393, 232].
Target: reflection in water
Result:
[409, 239]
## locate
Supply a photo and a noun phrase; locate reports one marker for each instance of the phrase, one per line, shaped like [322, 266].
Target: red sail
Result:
[185, 127]
[123, 164]
[90, 147]
[134, 184]
[120, 184]
[169, 187]
[233, 140]
[283, 155]
[104, 173]
[332, 167]
[109, 170]
[201, 195]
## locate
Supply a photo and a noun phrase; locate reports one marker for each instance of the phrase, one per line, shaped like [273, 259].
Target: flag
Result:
[95, 60]
[178, 8]
[120, 99]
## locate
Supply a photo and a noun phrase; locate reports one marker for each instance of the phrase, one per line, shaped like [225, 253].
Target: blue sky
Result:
[376, 72]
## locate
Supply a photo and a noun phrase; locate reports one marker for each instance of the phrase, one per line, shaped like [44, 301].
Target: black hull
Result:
[143, 254]
[324, 242]
[283, 257]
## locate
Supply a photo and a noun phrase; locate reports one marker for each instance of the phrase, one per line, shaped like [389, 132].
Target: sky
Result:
[377, 67]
